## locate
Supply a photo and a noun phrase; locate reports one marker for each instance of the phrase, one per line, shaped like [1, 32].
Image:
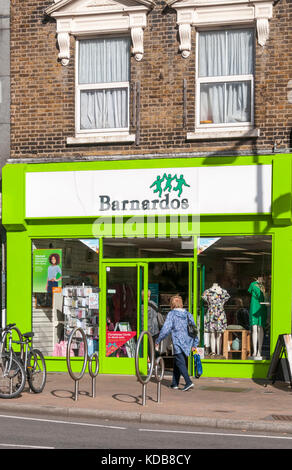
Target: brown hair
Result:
[176, 301]
[56, 256]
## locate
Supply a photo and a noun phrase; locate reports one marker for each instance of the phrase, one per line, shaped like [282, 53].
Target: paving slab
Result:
[221, 402]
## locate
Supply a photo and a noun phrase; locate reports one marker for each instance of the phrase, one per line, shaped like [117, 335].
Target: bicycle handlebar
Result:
[8, 327]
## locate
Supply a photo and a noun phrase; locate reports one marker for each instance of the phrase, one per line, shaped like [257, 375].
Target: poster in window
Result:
[47, 270]
[118, 339]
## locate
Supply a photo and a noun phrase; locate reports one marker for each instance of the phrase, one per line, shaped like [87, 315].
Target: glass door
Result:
[123, 318]
[200, 302]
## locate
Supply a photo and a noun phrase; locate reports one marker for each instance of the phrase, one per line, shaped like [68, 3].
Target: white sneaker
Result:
[187, 387]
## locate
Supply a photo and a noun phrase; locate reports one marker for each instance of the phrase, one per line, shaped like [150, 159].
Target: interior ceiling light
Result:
[243, 261]
[119, 244]
[155, 249]
[238, 258]
[187, 245]
[230, 248]
[164, 239]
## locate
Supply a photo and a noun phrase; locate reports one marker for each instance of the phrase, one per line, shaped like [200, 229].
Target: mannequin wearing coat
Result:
[257, 316]
[215, 320]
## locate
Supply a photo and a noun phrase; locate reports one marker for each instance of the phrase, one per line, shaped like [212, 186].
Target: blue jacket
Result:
[176, 324]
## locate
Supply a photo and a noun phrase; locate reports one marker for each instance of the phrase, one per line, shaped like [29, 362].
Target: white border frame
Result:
[222, 79]
[78, 88]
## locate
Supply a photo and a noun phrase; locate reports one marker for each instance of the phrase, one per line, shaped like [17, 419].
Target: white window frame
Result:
[105, 131]
[242, 126]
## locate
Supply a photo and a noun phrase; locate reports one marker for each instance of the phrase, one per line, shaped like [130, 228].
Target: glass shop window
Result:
[65, 294]
[235, 296]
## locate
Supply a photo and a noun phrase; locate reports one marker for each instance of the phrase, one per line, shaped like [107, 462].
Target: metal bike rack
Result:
[20, 340]
[92, 374]
[159, 378]
[78, 377]
[144, 381]
[2, 345]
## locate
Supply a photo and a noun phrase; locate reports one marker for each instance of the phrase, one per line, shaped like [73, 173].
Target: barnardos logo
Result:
[163, 203]
[168, 179]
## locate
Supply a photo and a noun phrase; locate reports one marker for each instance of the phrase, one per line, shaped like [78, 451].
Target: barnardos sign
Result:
[164, 204]
[189, 190]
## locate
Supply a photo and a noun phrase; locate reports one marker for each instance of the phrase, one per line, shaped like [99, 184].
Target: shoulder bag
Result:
[192, 329]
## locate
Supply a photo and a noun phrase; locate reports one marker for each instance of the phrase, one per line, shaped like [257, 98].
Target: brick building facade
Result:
[4, 82]
[150, 146]
[43, 102]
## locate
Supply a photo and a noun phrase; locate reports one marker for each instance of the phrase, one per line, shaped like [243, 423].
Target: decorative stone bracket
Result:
[64, 47]
[185, 39]
[137, 43]
[203, 13]
[263, 12]
[137, 24]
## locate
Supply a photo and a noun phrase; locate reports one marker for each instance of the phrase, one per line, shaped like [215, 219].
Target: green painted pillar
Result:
[19, 280]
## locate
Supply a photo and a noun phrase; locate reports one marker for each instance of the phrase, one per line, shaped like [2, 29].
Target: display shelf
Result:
[81, 309]
[245, 343]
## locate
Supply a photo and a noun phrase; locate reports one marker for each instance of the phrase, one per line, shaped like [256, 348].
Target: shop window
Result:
[235, 296]
[65, 294]
[102, 89]
[225, 78]
[148, 247]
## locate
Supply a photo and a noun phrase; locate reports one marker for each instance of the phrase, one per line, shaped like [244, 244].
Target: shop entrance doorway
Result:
[125, 305]
[166, 279]
[123, 315]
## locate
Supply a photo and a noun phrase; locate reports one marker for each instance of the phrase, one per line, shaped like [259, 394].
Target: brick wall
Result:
[4, 83]
[42, 90]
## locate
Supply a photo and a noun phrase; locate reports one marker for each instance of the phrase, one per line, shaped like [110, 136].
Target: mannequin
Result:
[216, 288]
[215, 343]
[215, 320]
[257, 341]
[257, 316]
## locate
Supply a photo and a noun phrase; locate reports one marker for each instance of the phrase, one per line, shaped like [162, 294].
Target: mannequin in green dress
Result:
[257, 315]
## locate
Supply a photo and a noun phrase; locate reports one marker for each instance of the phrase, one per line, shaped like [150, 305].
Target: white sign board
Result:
[163, 191]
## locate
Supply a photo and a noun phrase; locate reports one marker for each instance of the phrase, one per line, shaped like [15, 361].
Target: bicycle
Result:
[31, 360]
[34, 365]
[12, 373]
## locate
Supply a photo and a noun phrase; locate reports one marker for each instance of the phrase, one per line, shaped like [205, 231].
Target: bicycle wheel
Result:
[12, 376]
[36, 370]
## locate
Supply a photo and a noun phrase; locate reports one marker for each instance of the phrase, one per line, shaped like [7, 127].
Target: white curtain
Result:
[225, 53]
[104, 61]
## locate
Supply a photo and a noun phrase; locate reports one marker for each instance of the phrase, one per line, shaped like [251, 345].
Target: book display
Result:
[80, 310]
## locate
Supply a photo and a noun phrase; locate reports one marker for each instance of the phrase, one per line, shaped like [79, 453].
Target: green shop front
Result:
[86, 240]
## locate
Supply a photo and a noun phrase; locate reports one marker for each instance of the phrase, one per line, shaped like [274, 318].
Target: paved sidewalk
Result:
[250, 404]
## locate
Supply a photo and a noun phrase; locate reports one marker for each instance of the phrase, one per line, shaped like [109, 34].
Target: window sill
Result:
[101, 139]
[223, 134]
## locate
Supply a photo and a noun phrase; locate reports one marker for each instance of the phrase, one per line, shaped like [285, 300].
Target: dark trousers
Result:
[154, 337]
[180, 368]
[51, 284]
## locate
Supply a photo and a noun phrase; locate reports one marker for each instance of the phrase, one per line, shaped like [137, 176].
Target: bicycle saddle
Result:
[28, 335]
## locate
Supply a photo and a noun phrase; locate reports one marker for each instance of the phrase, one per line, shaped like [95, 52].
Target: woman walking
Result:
[176, 324]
